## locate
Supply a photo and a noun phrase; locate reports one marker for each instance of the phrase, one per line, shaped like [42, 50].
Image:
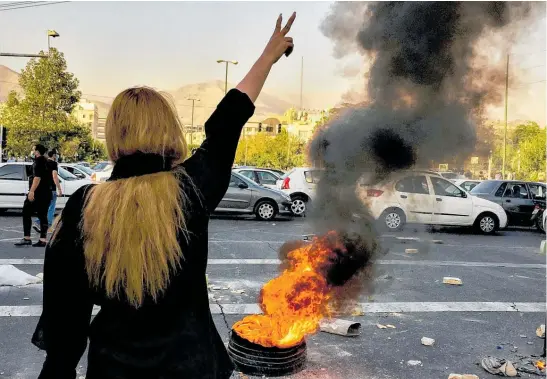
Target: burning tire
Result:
[256, 360]
[393, 219]
[299, 205]
[265, 210]
[487, 223]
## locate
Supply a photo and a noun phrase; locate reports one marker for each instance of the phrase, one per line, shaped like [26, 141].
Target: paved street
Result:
[501, 300]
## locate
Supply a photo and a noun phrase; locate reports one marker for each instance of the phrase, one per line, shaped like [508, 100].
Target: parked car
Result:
[85, 164]
[280, 173]
[425, 198]
[544, 223]
[100, 166]
[466, 184]
[518, 198]
[247, 197]
[77, 170]
[263, 177]
[103, 175]
[299, 184]
[14, 181]
[451, 175]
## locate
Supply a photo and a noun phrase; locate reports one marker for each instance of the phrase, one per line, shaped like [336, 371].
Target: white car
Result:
[264, 177]
[425, 198]
[103, 175]
[14, 184]
[466, 184]
[452, 176]
[299, 184]
[79, 171]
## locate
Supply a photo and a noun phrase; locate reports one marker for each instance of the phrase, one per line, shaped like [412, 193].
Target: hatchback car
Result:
[518, 198]
[79, 171]
[261, 176]
[247, 197]
[14, 184]
[425, 198]
[466, 184]
[299, 184]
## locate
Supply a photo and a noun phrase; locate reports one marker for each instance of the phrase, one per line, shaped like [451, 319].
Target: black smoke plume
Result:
[423, 99]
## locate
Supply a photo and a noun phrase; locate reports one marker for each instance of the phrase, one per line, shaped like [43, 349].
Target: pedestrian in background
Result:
[38, 198]
[498, 176]
[137, 244]
[55, 190]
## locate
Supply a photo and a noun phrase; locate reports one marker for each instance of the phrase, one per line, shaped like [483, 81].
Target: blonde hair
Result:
[131, 225]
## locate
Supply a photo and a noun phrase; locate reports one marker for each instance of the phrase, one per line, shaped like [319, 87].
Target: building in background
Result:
[87, 113]
[100, 131]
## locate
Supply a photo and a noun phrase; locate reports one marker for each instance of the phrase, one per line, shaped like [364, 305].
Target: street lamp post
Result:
[51, 34]
[226, 78]
[193, 100]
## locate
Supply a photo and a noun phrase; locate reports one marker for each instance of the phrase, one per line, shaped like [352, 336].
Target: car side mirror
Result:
[464, 195]
[243, 185]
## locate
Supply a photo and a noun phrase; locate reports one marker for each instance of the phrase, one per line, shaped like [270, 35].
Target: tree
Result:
[43, 114]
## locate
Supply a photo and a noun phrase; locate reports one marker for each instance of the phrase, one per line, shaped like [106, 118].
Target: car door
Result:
[517, 203]
[414, 197]
[267, 179]
[452, 205]
[237, 197]
[13, 186]
[537, 192]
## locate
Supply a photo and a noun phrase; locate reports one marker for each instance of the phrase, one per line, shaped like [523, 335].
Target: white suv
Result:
[14, 185]
[424, 198]
[299, 184]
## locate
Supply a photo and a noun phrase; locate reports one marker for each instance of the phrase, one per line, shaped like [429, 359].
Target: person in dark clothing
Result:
[136, 245]
[56, 189]
[38, 198]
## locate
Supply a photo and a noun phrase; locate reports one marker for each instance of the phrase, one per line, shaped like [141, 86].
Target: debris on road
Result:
[414, 363]
[357, 311]
[540, 331]
[522, 336]
[40, 276]
[391, 326]
[411, 251]
[498, 366]
[462, 376]
[238, 291]
[380, 326]
[12, 276]
[26, 298]
[340, 327]
[426, 341]
[452, 281]
[437, 242]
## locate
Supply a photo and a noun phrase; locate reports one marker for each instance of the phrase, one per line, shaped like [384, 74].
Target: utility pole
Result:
[193, 100]
[301, 82]
[51, 34]
[1, 142]
[505, 128]
[226, 77]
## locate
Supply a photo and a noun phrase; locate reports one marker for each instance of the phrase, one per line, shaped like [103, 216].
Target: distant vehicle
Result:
[78, 170]
[424, 198]
[85, 164]
[544, 223]
[247, 197]
[299, 184]
[14, 181]
[264, 177]
[101, 166]
[518, 198]
[104, 174]
[466, 184]
[451, 175]
[278, 172]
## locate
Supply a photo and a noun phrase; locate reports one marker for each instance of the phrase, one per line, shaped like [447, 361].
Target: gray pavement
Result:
[504, 274]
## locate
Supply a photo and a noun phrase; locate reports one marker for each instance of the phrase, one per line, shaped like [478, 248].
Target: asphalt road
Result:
[502, 299]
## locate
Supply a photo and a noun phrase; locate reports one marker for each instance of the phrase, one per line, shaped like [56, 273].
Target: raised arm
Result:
[211, 164]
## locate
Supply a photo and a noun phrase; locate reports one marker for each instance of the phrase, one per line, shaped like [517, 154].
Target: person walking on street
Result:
[38, 198]
[136, 245]
[55, 190]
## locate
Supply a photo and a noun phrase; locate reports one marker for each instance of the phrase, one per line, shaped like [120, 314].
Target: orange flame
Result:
[294, 302]
[540, 365]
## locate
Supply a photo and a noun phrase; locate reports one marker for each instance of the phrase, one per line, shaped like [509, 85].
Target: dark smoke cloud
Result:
[423, 98]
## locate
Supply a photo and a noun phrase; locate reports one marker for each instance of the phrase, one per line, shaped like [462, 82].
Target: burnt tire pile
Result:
[256, 360]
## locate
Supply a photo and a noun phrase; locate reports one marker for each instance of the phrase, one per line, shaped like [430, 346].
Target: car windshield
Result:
[485, 187]
[85, 169]
[248, 181]
[64, 174]
[100, 166]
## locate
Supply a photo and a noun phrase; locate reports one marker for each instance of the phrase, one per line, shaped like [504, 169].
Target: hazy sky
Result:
[113, 45]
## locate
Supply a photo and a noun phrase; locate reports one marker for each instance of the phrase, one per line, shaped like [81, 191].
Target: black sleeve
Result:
[62, 330]
[40, 168]
[211, 164]
[53, 166]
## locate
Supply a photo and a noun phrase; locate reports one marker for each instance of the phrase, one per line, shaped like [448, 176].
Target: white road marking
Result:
[10, 239]
[262, 261]
[396, 307]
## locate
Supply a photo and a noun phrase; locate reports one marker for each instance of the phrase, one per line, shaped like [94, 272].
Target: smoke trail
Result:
[423, 99]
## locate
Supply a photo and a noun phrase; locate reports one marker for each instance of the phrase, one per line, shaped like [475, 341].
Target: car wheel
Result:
[3, 210]
[265, 210]
[487, 223]
[299, 205]
[540, 225]
[393, 219]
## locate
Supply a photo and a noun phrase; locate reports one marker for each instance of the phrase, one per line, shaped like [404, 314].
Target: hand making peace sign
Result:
[279, 43]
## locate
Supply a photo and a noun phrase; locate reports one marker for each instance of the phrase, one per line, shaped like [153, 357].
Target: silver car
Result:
[247, 197]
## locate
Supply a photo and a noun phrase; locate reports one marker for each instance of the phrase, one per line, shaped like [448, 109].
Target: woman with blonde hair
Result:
[137, 244]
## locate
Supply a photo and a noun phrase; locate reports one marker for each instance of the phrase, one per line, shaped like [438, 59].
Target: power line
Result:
[17, 3]
[530, 83]
[40, 4]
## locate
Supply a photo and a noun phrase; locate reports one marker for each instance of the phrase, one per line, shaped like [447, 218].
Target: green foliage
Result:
[42, 115]
[280, 151]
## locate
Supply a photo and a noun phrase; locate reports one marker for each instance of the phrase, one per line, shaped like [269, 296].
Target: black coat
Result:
[174, 337]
